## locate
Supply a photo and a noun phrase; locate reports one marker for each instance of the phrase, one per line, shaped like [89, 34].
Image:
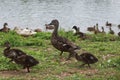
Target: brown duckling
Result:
[61, 43]
[80, 34]
[86, 58]
[108, 24]
[111, 31]
[5, 28]
[12, 53]
[26, 61]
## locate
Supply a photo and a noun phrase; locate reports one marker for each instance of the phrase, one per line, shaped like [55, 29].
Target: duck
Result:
[19, 57]
[111, 31]
[12, 53]
[24, 32]
[86, 58]
[62, 43]
[5, 28]
[49, 27]
[108, 24]
[91, 28]
[26, 61]
[38, 30]
[77, 32]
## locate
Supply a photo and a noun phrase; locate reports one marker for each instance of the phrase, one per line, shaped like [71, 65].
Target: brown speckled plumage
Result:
[86, 58]
[61, 43]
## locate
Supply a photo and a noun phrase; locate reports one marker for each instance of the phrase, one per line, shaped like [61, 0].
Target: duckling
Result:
[108, 24]
[77, 32]
[26, 61]
[111, 31]
[86, 58]
[5, 28]
[12, 53]
[61, 43]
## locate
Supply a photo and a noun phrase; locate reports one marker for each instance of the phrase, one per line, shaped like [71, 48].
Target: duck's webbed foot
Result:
[89, 65]
[28, 69]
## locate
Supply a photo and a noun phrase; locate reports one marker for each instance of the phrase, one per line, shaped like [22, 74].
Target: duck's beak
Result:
[49, 25]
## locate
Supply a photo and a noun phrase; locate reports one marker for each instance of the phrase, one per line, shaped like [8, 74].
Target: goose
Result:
[108, 24]
[111, 31]
[61, 43]
[86, 58]
[103, 30]
[77, 32]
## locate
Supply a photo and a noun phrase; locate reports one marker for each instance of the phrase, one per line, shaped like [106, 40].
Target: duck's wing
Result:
[31, 61]
[17, 52]
[90, 57]
[66, 43]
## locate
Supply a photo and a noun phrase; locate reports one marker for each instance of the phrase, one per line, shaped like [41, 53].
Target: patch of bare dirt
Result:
[7, 73]
[88, 72]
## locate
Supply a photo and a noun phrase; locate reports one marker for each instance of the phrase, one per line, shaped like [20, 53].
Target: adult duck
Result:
[61, 43]
[86, 58]
[5, 28]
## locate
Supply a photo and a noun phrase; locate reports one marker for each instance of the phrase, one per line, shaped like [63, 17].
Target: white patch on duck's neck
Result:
[74, 31]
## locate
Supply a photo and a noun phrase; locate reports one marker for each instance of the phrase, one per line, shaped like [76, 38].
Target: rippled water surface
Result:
[83, 13]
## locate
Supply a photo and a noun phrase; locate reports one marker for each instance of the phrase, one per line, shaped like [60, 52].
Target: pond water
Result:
[83, 13]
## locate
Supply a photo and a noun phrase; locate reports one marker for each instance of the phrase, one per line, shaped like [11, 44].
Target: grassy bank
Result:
[53, 67]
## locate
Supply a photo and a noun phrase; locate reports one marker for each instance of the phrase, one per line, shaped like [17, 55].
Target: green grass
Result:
[54, 67]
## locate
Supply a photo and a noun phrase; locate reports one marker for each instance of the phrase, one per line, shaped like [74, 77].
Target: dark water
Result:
[83, 13]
